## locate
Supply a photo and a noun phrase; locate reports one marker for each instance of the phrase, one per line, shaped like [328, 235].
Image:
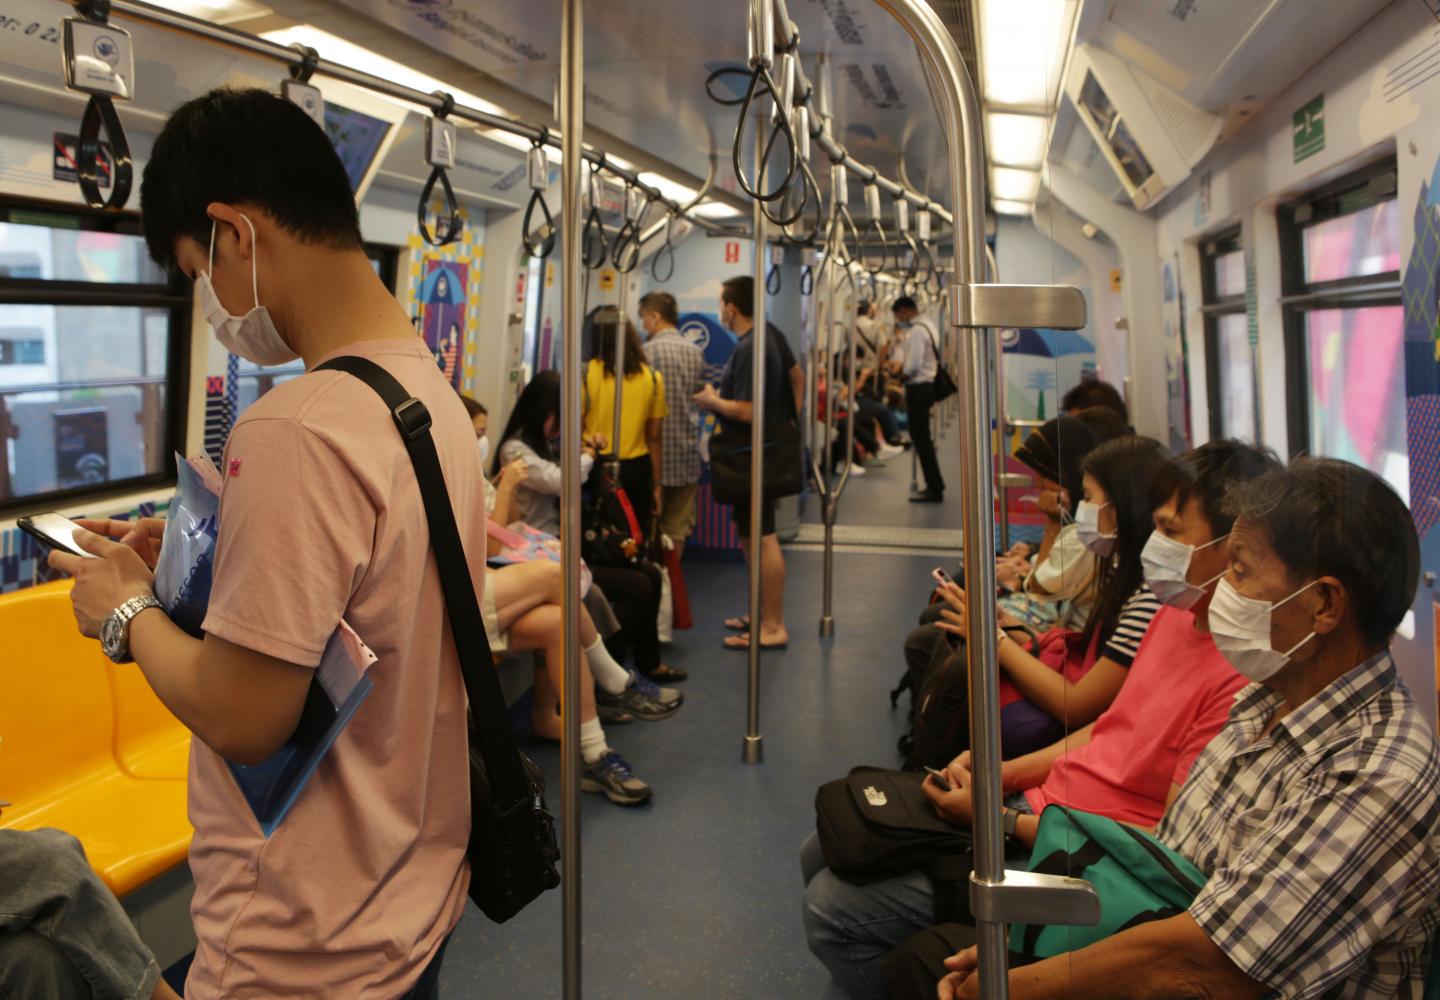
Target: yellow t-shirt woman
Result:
[642, 404]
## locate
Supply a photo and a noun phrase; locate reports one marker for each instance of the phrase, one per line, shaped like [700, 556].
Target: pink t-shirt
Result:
[1175, 699]
[320, 518]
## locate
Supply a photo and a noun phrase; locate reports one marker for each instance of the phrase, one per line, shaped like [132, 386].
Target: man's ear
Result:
[230, 224]
[1334, 602]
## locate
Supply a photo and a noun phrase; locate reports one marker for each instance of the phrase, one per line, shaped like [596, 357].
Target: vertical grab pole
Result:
[827, 489]
[572, 128]
[992, 271]
[960, 118]
[622, 300]
[754, 749]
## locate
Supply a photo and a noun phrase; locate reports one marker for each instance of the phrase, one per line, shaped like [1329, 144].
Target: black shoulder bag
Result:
[730, 448]
[512, 848]
[944, 382]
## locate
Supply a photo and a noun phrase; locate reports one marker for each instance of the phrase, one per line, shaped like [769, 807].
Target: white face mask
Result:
[483, 443]
[252, 336]
[1087, 526]
[1167, 564]
[1241, 628]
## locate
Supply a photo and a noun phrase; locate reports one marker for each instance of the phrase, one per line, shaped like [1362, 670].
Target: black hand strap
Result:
[472, 646]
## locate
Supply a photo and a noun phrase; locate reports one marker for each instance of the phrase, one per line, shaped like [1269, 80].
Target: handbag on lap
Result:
[512, 849]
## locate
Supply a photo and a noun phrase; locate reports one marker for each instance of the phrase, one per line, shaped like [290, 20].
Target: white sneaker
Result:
[889, 451]
[856, 470]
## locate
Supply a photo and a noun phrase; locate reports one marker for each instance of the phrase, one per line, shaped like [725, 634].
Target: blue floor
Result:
[698, 893]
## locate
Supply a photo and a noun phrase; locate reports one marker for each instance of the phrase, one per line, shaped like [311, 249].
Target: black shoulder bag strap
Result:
[472, 645]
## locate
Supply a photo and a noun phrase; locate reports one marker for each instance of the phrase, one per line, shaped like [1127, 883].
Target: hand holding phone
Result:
[940, 779]
[940, 576]
[54, 531]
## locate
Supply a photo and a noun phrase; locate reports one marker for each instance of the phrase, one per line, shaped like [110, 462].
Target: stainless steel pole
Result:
[992, 271]
[572, 123]
[754, 749]
[622, 296]
[827, 457]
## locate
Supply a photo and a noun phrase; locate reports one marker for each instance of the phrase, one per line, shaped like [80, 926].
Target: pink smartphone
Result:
[940, 576]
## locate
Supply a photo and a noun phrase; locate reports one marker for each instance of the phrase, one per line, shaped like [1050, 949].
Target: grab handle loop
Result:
[539, 172]
[667, 251]
[625, 254]
[594, 249]
[106, 76]
[807, 281]
[773, 277]
[872, 207]
[440, 138]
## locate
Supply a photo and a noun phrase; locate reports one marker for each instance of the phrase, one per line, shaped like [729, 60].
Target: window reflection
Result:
[1361, 243]
[1237, 377]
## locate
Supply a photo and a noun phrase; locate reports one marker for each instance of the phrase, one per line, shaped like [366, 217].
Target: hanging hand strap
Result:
[538, 169]
[100, 109]
[440, 153]
[472, 646]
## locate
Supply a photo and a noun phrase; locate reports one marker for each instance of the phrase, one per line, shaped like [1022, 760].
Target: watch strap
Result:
[123, 616]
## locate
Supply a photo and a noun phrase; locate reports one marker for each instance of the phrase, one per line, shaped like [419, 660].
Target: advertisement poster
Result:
[442, 301]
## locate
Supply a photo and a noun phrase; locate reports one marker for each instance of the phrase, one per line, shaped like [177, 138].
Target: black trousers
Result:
[634, 594]
[919, 399]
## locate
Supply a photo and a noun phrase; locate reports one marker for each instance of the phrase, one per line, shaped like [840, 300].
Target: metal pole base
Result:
[827, 626]
[754, 750]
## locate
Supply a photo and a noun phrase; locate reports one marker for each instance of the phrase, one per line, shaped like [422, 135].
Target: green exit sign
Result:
[1308, 125]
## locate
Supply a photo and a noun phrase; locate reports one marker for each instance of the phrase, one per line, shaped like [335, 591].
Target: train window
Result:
[1229, 349]
[1344, 324]
[92, 357]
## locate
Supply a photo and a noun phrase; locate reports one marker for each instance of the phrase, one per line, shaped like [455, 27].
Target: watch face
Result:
[110, 632]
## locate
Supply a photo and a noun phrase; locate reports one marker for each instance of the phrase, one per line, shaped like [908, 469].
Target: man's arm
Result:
[739, 410]
[797, 386]
[1161, 960]
[657, 447]
[244, 705]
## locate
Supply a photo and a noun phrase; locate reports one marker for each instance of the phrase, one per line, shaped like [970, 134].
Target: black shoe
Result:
[928, 497]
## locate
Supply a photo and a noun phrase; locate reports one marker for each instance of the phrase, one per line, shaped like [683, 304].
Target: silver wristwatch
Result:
[115, 631]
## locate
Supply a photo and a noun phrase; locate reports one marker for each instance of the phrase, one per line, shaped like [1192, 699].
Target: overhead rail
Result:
[540, 135]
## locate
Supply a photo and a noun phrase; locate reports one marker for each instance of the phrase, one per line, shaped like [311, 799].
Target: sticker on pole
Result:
[98, 59]
[66, 169]
[439, 143]
[307, 98]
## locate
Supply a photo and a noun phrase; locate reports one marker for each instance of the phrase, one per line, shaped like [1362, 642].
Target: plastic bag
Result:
[185, 570]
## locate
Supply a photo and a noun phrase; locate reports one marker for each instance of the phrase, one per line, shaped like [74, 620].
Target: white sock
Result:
[611, 677]
[592, 741]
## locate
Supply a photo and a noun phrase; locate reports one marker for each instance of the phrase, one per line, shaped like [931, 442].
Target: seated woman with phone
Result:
[1060, 680]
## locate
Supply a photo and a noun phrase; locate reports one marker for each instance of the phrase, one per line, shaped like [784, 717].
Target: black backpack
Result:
[609, 530]
[876, 823]
[940, 724]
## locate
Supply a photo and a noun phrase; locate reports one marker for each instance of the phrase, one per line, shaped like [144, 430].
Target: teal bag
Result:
[1137, 878]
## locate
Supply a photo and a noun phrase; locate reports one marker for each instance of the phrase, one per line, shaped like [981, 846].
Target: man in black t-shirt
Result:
[733, 403]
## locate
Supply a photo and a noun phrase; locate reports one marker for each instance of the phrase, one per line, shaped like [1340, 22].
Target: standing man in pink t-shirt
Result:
[1127, 764]
[355, 893]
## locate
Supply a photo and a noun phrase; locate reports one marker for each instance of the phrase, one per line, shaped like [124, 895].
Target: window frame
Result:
[388, 259]
[1213, 307]
[1362, 189]
[174, 297]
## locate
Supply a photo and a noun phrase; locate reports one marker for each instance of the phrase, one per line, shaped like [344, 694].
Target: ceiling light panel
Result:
[1010, 184]
[1016, 140]
[1023, 45]
[1003, 207]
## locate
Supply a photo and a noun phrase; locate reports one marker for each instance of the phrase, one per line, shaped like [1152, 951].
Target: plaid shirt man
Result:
[682, 367]
[1321, 840]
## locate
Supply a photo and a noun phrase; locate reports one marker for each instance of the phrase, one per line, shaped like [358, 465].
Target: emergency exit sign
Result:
[1308, 125]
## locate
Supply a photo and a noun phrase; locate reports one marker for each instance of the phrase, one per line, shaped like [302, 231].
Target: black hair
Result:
[1104, 423]
[904, 302]
[1325, 517]
[538, 401]
[1093, 392]
[739, 292]
[1124, 469]
[1056, 450]
[604, 321]
[862, 309]
[1208, 473]
[473, 406]
[661, 304]
[247, 148]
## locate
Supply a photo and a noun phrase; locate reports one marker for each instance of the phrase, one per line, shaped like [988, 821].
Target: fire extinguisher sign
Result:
[732, 252]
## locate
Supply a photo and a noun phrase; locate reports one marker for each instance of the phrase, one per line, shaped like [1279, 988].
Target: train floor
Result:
[699, 892]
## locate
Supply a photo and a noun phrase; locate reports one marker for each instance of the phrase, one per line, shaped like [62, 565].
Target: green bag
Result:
[1137, 878]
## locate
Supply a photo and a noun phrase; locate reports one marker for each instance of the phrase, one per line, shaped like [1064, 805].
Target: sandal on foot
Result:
[742, 642]
[666, 674]
[738, 624]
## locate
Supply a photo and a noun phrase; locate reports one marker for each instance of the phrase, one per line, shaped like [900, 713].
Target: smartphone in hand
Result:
[54, 531]
[940, 576]
[940, 779]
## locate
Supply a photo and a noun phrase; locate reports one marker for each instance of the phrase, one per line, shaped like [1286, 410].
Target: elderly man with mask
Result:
[1314, 813]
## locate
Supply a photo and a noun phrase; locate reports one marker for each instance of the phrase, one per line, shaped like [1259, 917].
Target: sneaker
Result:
[611, 713]
[889, 451]
[857, 470]
[642, 699]
[874, 462]
[612, 776]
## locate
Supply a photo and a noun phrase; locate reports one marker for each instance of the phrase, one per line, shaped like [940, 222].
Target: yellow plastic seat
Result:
[84, 749]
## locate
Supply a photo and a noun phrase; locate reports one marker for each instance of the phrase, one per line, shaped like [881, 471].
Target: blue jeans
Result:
[850, 928]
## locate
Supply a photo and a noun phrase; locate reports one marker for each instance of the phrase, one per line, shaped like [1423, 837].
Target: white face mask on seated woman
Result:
[1087, 527]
